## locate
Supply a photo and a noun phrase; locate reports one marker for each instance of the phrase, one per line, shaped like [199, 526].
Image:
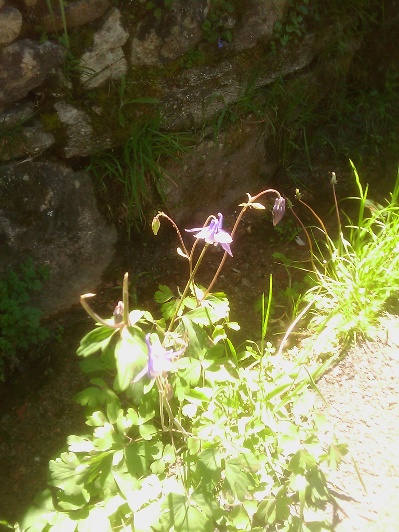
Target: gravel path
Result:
[363, 396]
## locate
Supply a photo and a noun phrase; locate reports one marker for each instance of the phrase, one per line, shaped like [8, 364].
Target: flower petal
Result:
[222, 237]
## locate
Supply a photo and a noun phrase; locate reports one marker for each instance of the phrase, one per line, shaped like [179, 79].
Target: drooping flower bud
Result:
[278, 210]
[118, 313]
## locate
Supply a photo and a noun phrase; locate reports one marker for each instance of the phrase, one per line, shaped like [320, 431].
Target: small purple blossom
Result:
[214, 234]
[159, 362]
[220, 42]
[278, 210]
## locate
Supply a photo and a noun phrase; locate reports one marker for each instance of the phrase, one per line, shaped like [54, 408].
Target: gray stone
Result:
[10, 24]
[24, 65]
[48, 213]
[216, 175]
[21, 135]
[81, 140]
[199, 93]
[76, 14]
[32, 141]
[157, 41]
[105, 60]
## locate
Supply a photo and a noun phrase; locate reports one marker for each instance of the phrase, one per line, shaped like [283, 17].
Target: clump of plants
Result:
[355, 273]
[20, 327]
[185, 430]
[217, 26]
[138, 166]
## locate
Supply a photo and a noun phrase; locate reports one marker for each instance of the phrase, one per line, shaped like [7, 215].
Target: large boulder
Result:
[161, 39]
[48, 212]
[216, 175]
[10, 24]
[24, 65]
[76, 14]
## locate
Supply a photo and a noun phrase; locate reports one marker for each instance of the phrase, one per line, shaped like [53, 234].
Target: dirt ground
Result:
[363, 396]
[37, 411]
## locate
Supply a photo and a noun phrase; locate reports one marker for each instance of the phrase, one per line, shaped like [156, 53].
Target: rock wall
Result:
[75, 78]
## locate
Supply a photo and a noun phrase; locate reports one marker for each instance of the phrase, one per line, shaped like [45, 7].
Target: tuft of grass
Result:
[138, 166]
[356, 273]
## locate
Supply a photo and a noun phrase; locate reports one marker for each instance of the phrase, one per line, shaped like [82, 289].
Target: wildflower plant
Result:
[187, 432]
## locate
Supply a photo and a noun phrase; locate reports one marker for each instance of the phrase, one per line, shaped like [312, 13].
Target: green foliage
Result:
[216, 25]
[138, 165]
[158, 8]
[186, 431]
[250, 102]
[365, 119]
[20, 326]
[356, 273]
[122, 89]
[192, 58]
[294, 24]
[61, 5]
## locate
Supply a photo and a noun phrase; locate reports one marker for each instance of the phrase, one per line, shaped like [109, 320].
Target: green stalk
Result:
[187, 287]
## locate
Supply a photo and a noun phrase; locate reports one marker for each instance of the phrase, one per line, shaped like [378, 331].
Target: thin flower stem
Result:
[239, 217]
[337, 210]
[177, 231]
[308, 238]
[125, 298]
[182, 297]
[95, 316]
[321, 224]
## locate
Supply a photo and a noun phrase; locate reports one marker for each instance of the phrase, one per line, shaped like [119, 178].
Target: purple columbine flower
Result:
[159, 360]
[278, 210]
[214, 234]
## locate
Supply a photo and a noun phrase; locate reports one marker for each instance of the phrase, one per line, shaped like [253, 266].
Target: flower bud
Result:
[278, 210]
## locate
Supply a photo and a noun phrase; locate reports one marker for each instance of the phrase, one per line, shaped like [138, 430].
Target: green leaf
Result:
[63, 523]
[131, 355]
[239, 517]
[92, 365]
[147, 431]
[97, 419]
[139, 455]
[237, 479]
[97, 520]
[190, 370]
[67, 474]
[129, 486]
[80, 444]
[96, 340]
[184, 516]
[72, 502]
[104, 437]
[209, 466]
[94, 397]
[147, 518]
[163, 294]
[197, 339]
[301, 461]
[37, 517]
[113, 412]
[158, 467]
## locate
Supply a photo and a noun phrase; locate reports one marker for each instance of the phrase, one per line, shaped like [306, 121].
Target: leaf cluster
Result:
[216, 25]
[20, 326]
